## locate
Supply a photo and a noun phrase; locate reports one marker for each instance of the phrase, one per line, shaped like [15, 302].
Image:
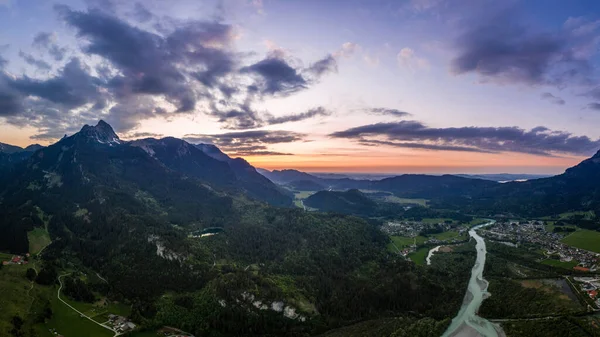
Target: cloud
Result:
[140, 135]
[500, 49]
[177, 67]
[141, 13]
[247, 118]
[386, 112]
[277, 77]
[553, 99]
[40, 64]
[408, 59]
[72, 87]
[47, 41]
[594, 106]
[311, 113]
[348, 49]
[413, 134]
[323, 66]
[246, 143]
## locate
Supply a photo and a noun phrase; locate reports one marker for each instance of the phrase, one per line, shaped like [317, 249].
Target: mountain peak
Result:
[102, 133]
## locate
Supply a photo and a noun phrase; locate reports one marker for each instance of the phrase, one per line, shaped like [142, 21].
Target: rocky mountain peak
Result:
[102, 133]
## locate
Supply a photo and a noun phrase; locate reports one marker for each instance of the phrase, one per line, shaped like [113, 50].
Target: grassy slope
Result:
[13, 295]
[68, 323]
[419, 256]
[38, 239]
[584, 239]
[14, 300]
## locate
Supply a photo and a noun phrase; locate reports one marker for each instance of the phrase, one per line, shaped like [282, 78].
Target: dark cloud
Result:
[186, 66]
[46, 41]
[553, 99]
[43, 39]
[386, 112]
[311, 113]
[10, 103]
[245, 143]
[594, 106]
[72, 87]
[244, 117]
[141, 13]
[107, 6]
[278, 77]
[324, 66]
[260, 153]
[29, 59]
[538, 141]
[373, 142]
[501, 49]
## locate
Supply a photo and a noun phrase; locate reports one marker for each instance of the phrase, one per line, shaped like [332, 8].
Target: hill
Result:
[348, 202]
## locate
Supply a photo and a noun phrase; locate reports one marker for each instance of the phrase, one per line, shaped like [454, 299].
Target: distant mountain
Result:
[305, 185]
[430, 187]
[287, 176]
[33, 148]
[504, 177]
[349, 202]
[7, 148]
[11, 155]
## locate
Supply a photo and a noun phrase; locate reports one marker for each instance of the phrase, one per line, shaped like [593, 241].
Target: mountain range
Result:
[578, 188]
[131, 211]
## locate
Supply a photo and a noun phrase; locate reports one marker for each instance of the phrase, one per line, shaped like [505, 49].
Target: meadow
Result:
[584, 239]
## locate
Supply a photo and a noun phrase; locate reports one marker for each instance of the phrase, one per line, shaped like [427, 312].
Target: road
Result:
[79, 312]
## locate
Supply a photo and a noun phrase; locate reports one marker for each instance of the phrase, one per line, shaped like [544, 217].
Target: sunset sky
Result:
[432, 86]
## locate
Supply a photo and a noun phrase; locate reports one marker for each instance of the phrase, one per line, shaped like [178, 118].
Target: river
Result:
[467, 323]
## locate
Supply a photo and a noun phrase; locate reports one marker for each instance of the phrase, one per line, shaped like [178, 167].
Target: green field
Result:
[397, 200]
[586, 215]
[38, 239]
[419, 256]
[584, 239]
[5, 256]
[303, 194]
[13, 298]
[69, 323]
[448, 235]
[18, 297]
[433, 220]
[477, 221]
[404, 241]
[557, 263]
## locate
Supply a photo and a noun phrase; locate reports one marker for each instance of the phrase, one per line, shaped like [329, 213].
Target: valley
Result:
[138, 237]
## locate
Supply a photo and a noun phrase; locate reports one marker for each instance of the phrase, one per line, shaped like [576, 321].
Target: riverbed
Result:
[431, 251]
[467, 323]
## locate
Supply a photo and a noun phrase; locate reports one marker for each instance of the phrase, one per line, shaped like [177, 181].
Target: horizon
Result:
[423, 87]
[430, 170]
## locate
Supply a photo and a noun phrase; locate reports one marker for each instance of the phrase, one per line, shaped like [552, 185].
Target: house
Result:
[579, 268]
[593, 293]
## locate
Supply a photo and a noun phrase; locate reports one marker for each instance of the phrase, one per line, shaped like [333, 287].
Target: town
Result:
[535, 232]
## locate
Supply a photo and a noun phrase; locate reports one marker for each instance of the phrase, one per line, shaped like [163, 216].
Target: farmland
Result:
[584, 239]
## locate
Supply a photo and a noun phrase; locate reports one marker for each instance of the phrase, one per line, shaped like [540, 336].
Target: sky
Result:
[415, 86]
